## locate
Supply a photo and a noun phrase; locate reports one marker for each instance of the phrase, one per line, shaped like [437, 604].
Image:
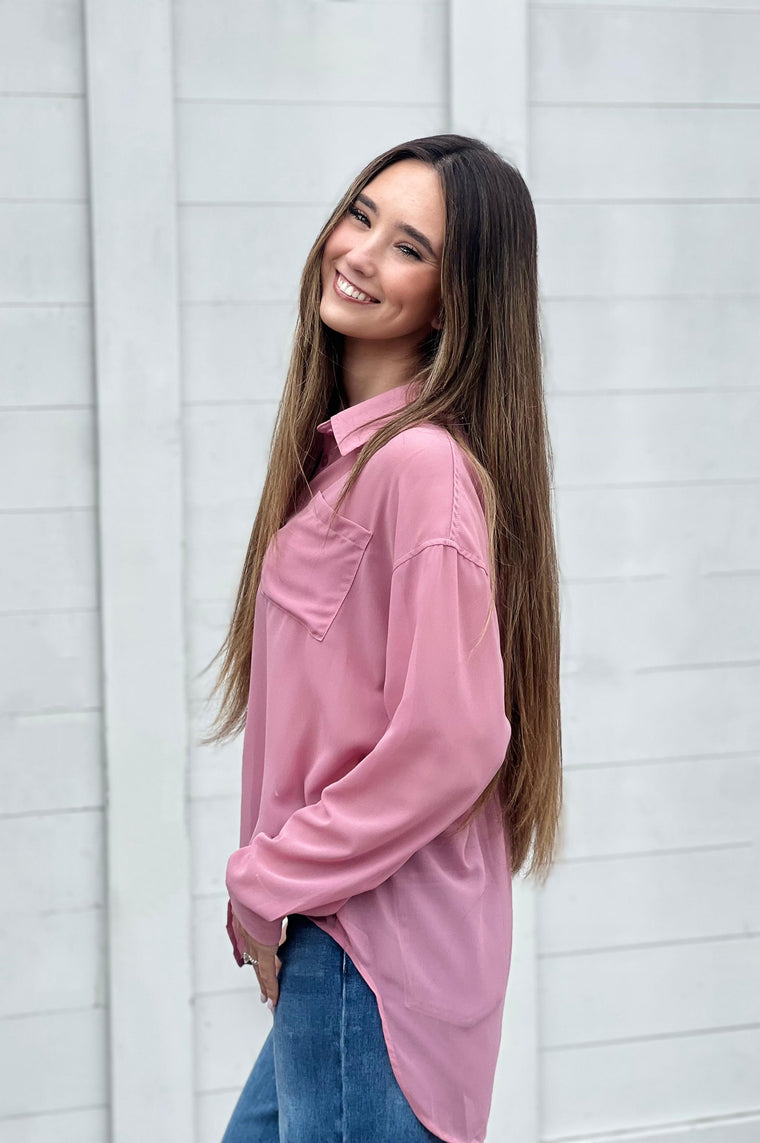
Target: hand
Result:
[269, 963]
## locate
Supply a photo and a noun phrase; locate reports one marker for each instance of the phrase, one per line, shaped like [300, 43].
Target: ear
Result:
[439, 319]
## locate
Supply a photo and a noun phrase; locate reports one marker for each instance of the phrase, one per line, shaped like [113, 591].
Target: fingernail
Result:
[270, 1006]
[263, 997]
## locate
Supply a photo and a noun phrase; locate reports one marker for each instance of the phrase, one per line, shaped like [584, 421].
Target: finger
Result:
[268, 977]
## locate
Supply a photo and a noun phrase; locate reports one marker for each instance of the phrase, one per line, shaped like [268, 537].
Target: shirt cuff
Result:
[231, 934]
[263, 931]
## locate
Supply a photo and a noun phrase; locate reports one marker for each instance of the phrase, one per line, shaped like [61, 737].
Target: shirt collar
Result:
[349, 426]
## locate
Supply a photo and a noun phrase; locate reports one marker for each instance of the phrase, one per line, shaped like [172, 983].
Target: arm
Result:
[446, 738]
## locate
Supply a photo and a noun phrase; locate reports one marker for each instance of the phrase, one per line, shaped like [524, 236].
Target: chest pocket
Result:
[310, 571]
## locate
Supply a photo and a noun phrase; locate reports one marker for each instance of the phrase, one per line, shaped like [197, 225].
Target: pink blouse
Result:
[375, 719]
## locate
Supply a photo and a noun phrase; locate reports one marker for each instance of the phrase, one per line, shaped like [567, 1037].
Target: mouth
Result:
[351, 293]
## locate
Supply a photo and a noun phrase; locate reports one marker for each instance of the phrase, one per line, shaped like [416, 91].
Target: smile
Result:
[350, 292]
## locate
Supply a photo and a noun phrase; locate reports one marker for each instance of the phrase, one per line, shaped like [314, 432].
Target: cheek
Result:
[335, 245]
[417, 292]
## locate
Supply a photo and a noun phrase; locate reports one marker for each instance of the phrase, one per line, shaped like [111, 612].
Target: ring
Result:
[248, 959]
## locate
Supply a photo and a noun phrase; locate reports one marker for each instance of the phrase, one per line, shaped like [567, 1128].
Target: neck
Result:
[372, 367]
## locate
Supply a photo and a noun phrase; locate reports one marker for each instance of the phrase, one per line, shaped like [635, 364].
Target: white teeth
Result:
[351, 291]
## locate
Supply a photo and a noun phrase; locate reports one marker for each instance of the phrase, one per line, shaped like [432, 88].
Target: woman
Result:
[400, 698]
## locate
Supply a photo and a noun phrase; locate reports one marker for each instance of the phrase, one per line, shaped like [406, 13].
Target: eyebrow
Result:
[412, 231]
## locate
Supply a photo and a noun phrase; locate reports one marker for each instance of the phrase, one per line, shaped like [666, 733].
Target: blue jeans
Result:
[323, 1074]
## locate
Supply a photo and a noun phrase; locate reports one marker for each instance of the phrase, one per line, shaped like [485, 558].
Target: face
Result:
[387, 249]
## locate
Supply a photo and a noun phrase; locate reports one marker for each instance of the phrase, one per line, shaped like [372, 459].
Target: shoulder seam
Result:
[445, 542]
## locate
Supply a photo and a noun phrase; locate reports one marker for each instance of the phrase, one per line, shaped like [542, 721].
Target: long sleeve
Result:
[446, 737]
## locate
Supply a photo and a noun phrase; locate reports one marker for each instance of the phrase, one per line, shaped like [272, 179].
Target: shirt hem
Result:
[421, 1115]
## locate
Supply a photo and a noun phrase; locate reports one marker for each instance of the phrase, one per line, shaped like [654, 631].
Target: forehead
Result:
[411, 191]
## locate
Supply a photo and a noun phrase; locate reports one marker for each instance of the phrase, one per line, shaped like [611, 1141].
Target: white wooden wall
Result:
[53, 986]
[633, 1003]
[643, 160]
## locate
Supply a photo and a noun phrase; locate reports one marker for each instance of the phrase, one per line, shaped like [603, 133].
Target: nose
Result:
[361, 259]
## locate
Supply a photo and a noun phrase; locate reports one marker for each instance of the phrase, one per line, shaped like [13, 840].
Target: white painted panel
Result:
[648, 1083]
[47, 355]
[675, 622]
[214, 771]
[215, 832]
[651, 343]
[311, 152]
[226, 450]
[615, 716]
[232, 1028]
[41, 47]
[287, 49]
[644, 152]
[706, 529]
[615, 249]
[212, 1113]
[645, 993]
[53, 560]
[612, 438]
[55, 662]
[44, 253]
[656, 5]
[644, 55]
[647, 899]
[53, 1061]
[236, 352]
[88, 1126]
[216, 969]
[34, 876]
[47, 459]
[717, 1129]
[64, 968]
[205, 634]
[51, 762]
[218, 537]
[42, 148]
[640, 807]
[246, 253]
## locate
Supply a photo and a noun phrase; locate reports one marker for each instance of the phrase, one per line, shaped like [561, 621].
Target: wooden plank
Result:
[55, 63]
[645, 899]
[289, 50]
[646, 993]
[86, 1126]
[705, 529]
[311, 153]
[56, 762]
[54, 559]
[489, 88]
[42, 147]
[644, 55]
[629, 152]
[35, 1079]
[663, 713]
[44, 253]
[645, 249]
[651, 343]
[54, 667]
[131, 144]
[649, 1083]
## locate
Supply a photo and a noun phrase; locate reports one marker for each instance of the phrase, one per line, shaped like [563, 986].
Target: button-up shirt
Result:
[376, 717]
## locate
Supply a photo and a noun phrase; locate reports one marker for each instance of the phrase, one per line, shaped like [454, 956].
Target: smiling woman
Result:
[393, 658]
[380, 290]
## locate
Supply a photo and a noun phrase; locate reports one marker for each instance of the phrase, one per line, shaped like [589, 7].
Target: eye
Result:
[407, 251]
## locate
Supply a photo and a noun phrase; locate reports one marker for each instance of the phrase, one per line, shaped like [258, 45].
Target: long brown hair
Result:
[481, 377]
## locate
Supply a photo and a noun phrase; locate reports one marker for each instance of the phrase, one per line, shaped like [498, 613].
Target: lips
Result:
[366, 301]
